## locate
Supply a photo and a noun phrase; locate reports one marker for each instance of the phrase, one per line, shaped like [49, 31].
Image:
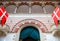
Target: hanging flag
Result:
[56, 15]
[3, 15]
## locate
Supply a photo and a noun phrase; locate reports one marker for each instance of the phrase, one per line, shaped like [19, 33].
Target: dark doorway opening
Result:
[29, 33]
[29, 39]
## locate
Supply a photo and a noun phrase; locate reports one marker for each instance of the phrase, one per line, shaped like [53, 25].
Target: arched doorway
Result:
[29, 33]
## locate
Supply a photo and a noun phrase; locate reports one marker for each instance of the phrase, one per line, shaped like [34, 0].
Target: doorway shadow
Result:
[29, 39]
[29, 33]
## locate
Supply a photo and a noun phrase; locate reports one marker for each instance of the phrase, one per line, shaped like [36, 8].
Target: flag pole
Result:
[1, 23]
[58, 23]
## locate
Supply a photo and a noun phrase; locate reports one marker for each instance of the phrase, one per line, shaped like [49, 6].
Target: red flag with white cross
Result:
[3, 15]
[56, 15]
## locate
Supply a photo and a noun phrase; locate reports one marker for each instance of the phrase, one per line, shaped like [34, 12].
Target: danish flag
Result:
[3, 15]
[56, 15]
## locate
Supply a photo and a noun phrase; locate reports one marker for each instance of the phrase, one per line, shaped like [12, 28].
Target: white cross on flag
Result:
[56, 15]
[3, 15]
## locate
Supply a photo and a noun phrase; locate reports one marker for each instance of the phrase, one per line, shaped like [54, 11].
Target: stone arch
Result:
[49, 5]
[37, 7]
[11, 7]
[26, 22]
[29, 22]
[23, 8]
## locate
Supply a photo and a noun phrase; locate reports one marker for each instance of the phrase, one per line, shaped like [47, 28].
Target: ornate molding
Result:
[29, 21]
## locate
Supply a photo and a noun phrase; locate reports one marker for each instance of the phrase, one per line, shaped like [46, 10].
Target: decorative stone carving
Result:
[2, 33]
[57, 33]
[4, 30]
[29, 22]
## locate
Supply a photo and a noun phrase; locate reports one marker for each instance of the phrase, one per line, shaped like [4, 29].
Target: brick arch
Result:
[32, 22]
